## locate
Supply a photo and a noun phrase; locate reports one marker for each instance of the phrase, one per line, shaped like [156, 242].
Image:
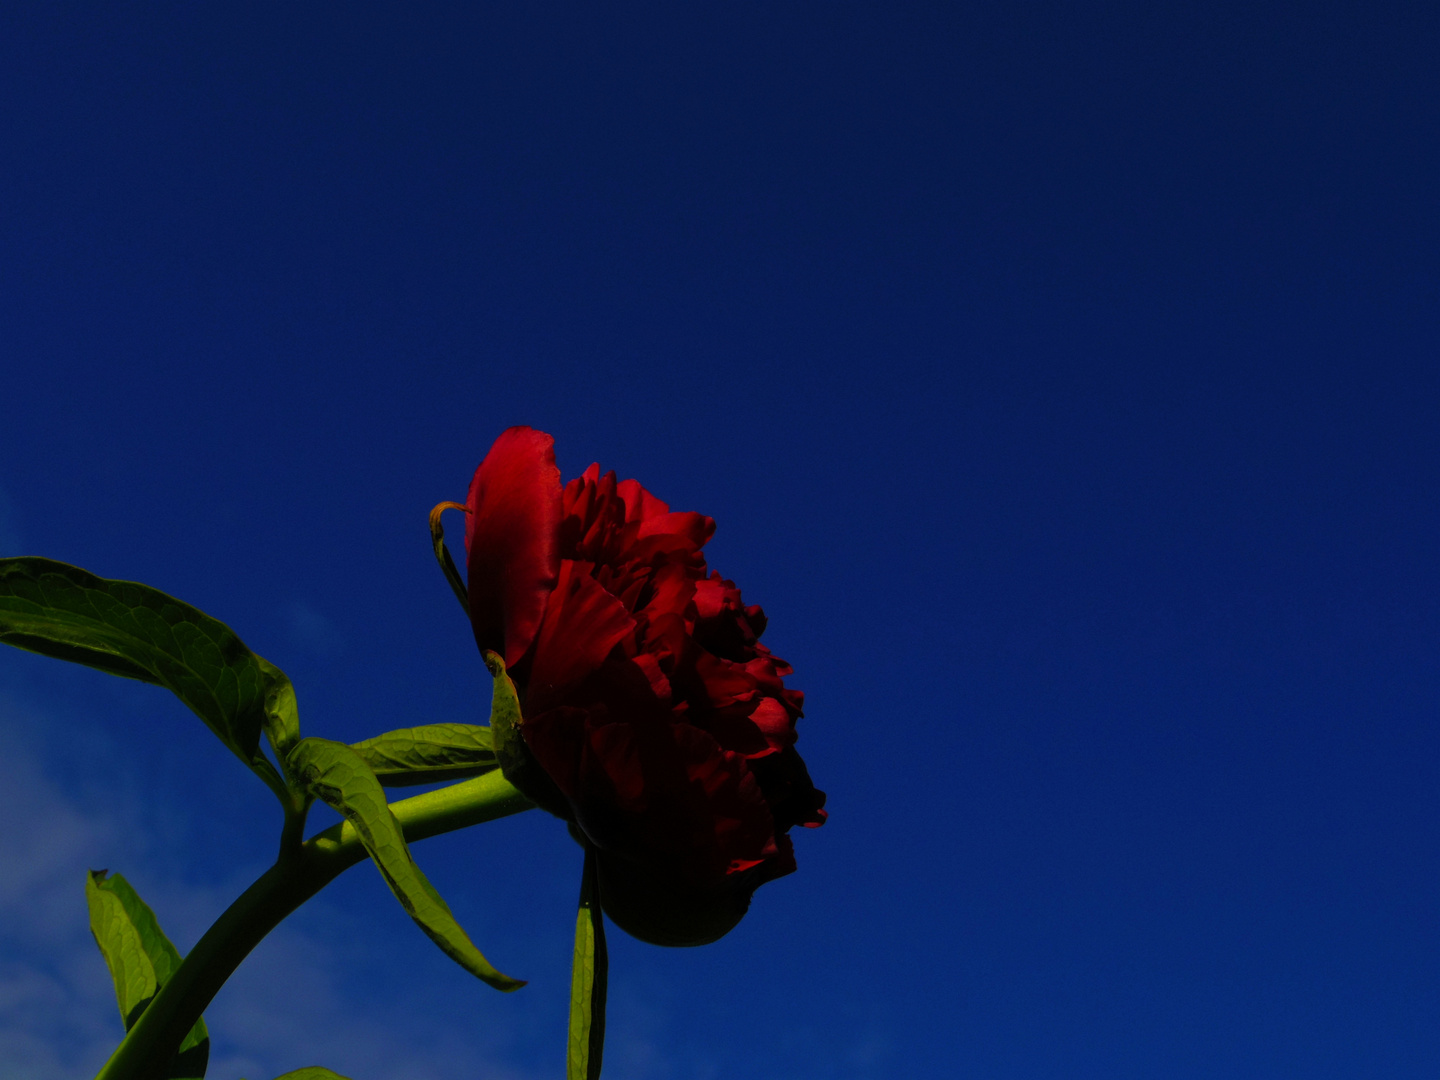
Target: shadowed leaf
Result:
[588, 973]
[339, 777]
[423, 755]
[132, 630]
[141, 960]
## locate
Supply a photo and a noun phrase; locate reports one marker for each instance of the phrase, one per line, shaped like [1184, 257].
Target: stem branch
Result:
[299, 873]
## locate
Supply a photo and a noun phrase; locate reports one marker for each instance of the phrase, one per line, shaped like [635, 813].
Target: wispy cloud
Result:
[54, 992]
[294, 1002]
[312, 631]
[306, 996]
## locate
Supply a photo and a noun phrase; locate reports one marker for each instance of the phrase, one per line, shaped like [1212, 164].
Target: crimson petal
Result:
[582, 623]
[512, 536]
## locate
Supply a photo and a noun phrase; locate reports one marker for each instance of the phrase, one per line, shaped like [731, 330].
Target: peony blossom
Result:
[647, 698]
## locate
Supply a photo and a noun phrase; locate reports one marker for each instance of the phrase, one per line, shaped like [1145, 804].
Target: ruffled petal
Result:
[557, 739]
[668, 794]
[511, 536]
[792, 797]
[696, 528]
[774, 722]
[640, 505]
[582, 623]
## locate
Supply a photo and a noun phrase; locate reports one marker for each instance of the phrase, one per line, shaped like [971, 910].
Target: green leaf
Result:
[339, 777]
[588, 973]
[131, 968]
[282, 714]
[423, 755]
[141, 960]
[132, 630]
[312, 1072]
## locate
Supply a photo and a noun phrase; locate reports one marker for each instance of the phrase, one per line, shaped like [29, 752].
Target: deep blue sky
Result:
[1063, 378]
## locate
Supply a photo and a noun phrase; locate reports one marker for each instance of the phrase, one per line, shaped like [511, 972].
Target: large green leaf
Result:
[129, 629]
[588, 973]
[141, 960]
[339, 777]
[423, 755]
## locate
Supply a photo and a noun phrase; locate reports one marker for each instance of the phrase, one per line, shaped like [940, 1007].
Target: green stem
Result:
[300, 872]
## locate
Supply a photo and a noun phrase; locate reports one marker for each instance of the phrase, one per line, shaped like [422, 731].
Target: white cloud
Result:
[53, 986]
[292, 1003]
[392, 1009]
[312, 631]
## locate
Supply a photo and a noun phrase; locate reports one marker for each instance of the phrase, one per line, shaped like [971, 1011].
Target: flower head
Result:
[661, 721]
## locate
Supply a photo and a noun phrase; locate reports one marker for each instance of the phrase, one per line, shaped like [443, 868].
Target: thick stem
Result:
[150, 1046]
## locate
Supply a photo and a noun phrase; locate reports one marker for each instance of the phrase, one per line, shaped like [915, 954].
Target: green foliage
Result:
[312, 1072]
[588, 973]
[340, 777]
[423, 755]
[138, 632]
[141, 960]
[282, 713]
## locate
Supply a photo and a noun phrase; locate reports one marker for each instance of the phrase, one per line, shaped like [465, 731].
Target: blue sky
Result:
[1063, 381]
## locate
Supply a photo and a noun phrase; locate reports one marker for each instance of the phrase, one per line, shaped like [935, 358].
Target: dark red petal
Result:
[582, 623]
[775, 722]
[722, 682]
[671, 588]
[594, 527]
[557, 739]
[793, 798]
[782, 862]
[616, 766]
[740, 819]
[710, 596]
[696, 528]
[511, 535]
[640, 505]
[659, 684]
[733, 730]
[666, 793]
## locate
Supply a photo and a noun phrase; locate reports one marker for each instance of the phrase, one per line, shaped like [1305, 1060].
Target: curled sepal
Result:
[516, 761]
[132, 630]
[424, 755]
[442, 553]
[587, 981]
[141, 960]
[338, 776]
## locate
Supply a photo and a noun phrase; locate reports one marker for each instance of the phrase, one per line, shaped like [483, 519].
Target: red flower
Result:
[647, 697]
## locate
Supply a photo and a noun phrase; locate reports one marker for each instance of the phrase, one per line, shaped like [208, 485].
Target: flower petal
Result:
[582, 623]
[512, 538]
[640, 505]
[557, 739]
[693, 527]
